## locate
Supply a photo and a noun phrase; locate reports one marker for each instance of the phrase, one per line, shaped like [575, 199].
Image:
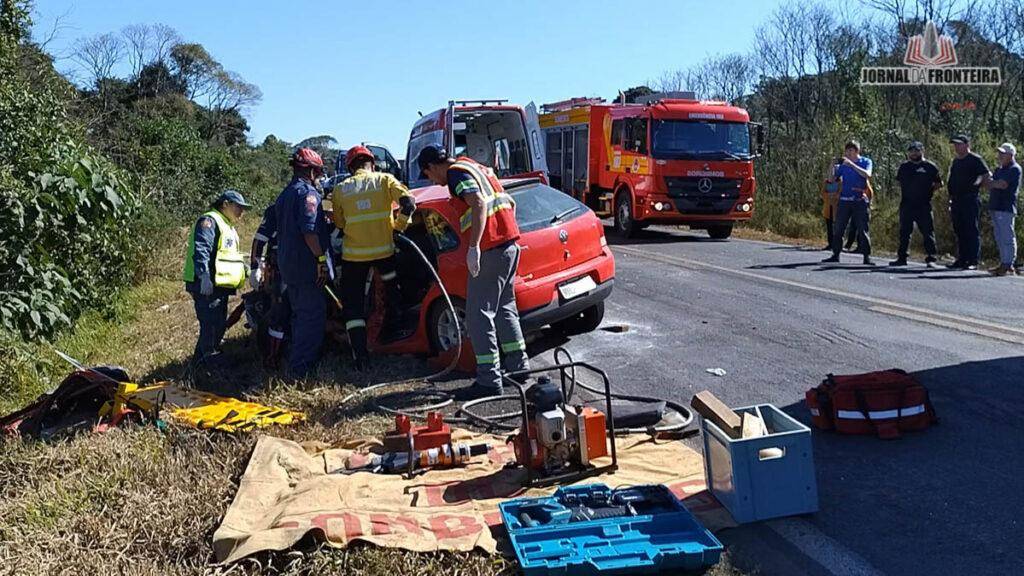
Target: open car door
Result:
[536, 140]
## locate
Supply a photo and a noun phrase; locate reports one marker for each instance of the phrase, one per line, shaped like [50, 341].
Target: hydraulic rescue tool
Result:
[557, 441]
[445, 456]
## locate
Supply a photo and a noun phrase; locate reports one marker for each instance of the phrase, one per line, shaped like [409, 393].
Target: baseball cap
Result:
[960, 139]
[915, 145]
[1007, 148]
[430, 155]
[233, 197]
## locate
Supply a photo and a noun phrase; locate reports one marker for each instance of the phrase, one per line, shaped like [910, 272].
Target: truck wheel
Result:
[720, 232]
[586, 321]
[441, 327]
[625, 226]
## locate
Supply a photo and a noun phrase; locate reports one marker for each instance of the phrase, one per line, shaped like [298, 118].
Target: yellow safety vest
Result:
[363, 210]
[229, 263]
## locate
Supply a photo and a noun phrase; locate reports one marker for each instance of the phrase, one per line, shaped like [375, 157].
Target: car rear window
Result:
[538, 206]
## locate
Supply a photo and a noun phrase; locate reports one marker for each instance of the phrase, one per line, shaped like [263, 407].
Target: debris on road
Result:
[720, 372]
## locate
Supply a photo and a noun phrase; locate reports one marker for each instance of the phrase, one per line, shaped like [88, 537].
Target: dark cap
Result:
[915, 145]
[960, 139]
[233, 197]
[430, 155]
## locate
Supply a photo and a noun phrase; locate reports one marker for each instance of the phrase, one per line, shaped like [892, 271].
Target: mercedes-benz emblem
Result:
[704, 185]
[707, 167]
[563, 235]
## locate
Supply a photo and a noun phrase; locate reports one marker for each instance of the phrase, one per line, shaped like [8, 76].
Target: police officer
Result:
[919, 179]
[362, 211]
[303, 260]
[968, 173]
[492, 257]
[214, 269]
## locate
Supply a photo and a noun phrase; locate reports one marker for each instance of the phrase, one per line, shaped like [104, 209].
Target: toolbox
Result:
[594, 529]
[762, 477]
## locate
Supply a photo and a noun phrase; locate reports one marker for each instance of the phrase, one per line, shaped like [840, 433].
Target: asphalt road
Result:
[944, 501]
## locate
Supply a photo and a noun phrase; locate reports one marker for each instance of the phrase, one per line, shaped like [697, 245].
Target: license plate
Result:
[577, 288]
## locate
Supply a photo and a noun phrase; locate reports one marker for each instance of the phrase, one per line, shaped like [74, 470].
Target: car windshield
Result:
[539, 206]
[685, 139]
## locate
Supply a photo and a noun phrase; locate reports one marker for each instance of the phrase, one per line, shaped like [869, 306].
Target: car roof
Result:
[436, 193]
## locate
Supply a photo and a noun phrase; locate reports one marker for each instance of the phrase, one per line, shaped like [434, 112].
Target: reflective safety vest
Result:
[228, 263]
[363, 210]
[501, 209]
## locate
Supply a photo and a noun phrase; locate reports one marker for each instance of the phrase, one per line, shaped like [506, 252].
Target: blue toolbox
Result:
[594, 529]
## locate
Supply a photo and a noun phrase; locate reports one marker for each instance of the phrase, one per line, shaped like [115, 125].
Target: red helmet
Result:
[356, 152]
[307, 158]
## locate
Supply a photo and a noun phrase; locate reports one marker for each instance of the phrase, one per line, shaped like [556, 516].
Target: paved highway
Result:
[945, 501]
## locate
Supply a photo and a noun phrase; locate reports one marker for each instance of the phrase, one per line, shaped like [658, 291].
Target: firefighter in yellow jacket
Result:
[363, 213]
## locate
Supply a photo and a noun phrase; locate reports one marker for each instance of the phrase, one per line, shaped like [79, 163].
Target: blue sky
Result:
[361, 70]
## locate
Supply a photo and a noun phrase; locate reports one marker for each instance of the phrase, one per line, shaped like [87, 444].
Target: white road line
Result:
[823, 549]
[938, 321]
[964, 323]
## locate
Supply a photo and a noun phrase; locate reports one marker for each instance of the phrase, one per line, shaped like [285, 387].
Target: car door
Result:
[536, 140]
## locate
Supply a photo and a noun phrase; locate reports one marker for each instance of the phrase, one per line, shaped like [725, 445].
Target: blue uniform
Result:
[212, 310]
[299, 212]
[854, 184]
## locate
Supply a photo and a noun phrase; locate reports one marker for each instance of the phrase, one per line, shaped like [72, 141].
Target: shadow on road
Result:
[654, 237]
[947, 499]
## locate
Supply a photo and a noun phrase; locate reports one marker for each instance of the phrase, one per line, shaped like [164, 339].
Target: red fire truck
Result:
[670, 159]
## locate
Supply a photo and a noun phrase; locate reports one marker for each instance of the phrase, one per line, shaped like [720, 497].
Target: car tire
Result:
[720, 232]
[625, 225]
[586, 321]
[440, 329]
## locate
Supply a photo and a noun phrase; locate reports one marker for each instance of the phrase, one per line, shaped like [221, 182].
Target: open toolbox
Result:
[593, 529]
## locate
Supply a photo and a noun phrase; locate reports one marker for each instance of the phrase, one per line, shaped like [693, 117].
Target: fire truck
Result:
[669, 159]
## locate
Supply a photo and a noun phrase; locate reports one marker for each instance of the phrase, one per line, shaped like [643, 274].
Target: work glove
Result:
[473, 260]
[205, 285]
[256, 278]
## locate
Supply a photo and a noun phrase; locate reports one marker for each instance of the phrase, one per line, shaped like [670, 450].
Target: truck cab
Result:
[504, 136]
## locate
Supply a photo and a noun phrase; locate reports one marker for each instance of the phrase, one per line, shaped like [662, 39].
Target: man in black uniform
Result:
[967, 174]
[919, 179]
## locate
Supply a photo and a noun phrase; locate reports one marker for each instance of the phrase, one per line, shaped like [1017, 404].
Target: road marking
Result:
[821, 548]
[975, 326]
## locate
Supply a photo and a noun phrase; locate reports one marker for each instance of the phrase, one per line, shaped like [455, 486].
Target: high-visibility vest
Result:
[501, 214]
[363, 210]
[228, 263]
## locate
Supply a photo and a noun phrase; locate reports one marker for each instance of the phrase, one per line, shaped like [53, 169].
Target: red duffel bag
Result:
[882, 403]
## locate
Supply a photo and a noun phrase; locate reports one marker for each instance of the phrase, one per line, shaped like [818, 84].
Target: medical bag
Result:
[884, 403]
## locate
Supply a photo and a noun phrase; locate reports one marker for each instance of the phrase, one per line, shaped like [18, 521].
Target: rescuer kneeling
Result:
[214, 269]
[363, 213]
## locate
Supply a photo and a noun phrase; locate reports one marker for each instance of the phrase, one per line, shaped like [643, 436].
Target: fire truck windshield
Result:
[686, 139]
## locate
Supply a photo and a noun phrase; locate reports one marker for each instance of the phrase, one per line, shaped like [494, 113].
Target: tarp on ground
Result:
[288, 491]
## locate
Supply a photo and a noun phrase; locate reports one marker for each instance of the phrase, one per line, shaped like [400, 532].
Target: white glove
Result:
[473, 260]
[256, 278]
[205, 285]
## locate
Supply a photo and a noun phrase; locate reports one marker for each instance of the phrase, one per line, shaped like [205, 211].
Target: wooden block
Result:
[753, 426]
[709, 406]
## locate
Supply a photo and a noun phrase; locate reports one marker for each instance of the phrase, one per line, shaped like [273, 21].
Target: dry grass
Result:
[140, 501]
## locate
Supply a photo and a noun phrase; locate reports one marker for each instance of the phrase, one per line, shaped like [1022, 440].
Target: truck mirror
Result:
[759, 135]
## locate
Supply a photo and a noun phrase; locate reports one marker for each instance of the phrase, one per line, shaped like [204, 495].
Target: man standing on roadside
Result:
[853, 171]
[967, 175]
[919, 179]
[302, 259]
[1002, 204]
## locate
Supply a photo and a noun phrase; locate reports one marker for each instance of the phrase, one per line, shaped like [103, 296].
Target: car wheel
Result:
[441, 327]
[586, 321]
[625, 226]
[720, 232]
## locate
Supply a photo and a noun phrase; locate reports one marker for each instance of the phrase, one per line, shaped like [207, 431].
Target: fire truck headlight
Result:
[745, 207]
[658, 206]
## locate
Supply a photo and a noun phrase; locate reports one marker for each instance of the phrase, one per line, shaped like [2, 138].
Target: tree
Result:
[632, 94]
[98, 55]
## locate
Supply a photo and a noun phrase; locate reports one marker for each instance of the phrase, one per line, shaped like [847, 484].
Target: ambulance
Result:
[670, 159]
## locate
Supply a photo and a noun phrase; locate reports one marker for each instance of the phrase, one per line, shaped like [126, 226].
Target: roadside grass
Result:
[139, 501]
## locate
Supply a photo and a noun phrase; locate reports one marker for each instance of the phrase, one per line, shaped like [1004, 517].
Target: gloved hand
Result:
[473, 260]
[205, 285]
[256, 277]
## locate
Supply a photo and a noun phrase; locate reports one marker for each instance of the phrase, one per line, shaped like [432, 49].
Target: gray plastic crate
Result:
[754, 482]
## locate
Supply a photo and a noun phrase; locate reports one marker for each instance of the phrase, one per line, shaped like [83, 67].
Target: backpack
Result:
[883, 403]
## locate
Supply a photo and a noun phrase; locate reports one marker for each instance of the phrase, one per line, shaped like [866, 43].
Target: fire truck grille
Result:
[703, 195]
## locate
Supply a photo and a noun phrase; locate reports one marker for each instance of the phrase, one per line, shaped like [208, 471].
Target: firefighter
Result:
[362, 211]
[214, 269]
[492, 257]
[303, 260]
[264, 270]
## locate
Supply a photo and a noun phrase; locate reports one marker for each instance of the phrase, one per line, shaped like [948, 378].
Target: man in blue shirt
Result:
[302, 259]
[853, 171]
[1002, 204]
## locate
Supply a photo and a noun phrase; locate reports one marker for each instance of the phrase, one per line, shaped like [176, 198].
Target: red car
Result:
[565, 273]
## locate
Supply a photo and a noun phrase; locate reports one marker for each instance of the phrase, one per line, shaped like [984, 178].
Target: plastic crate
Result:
[754, 482]
[661, 537]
